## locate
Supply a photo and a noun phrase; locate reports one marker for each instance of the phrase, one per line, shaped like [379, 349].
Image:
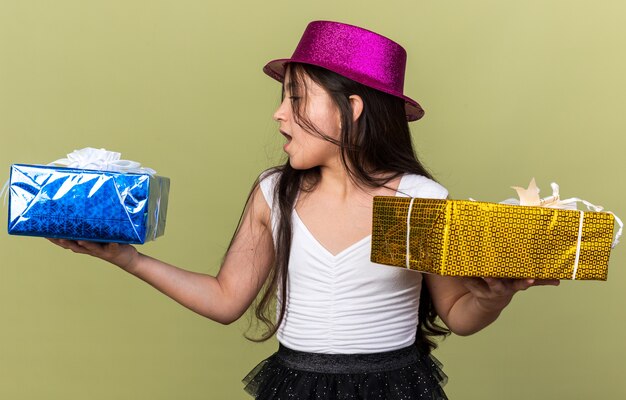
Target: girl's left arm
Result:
[467, 305]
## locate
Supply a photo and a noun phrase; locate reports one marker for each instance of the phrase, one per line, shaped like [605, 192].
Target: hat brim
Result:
[276, 70]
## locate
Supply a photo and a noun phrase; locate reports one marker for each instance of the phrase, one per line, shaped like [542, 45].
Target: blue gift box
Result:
[83, 204]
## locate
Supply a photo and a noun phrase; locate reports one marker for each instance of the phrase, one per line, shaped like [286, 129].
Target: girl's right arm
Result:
[223, 298]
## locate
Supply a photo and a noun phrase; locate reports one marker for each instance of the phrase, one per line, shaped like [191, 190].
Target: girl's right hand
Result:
[122, 255]
[223, 298]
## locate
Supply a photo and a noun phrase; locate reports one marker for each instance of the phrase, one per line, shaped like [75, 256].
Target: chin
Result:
[296, 165]
[299, 166]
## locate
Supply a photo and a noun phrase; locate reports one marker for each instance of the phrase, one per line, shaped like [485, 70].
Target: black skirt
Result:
[394, 375]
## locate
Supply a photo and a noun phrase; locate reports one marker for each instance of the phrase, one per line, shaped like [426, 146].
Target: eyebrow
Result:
[290, 87]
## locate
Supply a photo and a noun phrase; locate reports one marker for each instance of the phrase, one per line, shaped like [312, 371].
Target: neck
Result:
[336, 180]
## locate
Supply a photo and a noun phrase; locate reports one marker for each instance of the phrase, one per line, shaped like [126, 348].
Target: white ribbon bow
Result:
[530, 197]
[97, 159]
[101, 160]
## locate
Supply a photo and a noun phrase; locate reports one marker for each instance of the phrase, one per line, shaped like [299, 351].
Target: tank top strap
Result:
[413, 185]
[267, 182]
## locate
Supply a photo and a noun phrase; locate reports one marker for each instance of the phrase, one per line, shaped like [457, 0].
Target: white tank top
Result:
[344, 303]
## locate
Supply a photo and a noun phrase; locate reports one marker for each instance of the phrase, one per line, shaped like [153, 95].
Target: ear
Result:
[356, 102]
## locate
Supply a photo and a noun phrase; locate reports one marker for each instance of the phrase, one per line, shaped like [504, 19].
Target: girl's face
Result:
[307, 149]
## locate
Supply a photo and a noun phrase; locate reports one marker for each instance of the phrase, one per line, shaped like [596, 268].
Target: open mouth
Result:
[286, 135]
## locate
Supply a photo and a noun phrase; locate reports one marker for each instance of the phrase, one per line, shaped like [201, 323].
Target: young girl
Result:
[348, 328]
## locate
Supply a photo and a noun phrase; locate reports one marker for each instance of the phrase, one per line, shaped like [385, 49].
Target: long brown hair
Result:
[379, 145]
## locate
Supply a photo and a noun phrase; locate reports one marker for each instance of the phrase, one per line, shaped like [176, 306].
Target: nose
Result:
[282, 111]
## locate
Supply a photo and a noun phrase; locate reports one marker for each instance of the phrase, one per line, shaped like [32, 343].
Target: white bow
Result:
[530, 197]
[101, 160]
[90, 158]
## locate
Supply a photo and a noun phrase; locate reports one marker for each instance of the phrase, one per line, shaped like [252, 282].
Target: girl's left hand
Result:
[493, 294]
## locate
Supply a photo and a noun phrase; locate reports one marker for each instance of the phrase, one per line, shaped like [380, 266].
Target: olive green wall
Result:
[511, 90]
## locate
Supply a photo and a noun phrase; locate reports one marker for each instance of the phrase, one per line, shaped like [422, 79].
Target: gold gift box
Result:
[471, 238]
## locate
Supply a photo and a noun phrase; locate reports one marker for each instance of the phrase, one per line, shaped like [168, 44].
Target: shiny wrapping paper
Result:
[81, 204]
[471, 238]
